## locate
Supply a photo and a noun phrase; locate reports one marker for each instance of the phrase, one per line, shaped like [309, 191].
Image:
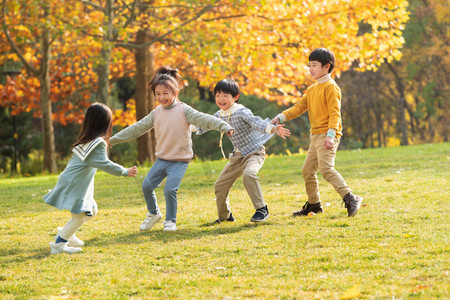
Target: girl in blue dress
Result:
[74, 190]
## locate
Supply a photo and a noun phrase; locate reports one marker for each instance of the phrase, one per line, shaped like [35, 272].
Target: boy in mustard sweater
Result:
[322, 100]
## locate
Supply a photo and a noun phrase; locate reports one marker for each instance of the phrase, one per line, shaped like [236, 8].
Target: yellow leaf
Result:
[353, 292]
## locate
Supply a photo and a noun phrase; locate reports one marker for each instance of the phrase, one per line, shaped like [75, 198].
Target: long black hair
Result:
[97, 123]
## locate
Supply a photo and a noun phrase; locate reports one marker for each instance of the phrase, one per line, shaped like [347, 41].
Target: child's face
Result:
[317, 70]
[225, 101]
[164, 95]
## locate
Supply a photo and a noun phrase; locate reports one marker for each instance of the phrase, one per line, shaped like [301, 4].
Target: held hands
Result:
[229, 133]
[329, 143]
[132, 171]
[280, 130]
[275, 120]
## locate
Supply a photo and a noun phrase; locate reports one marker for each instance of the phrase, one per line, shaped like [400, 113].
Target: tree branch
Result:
[133, 14]
[13, 45]
[141, 46]
[97, 7]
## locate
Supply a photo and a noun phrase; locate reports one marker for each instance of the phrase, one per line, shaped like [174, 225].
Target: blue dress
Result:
[74, 190]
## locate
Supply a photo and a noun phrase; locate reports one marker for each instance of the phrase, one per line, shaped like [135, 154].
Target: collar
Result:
[324, 78]
[83, 150]
[231, 110]
[175, 102]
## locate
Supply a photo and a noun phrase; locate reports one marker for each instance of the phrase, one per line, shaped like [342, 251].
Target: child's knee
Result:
[249, 174]
[170, 192]
[147, 187]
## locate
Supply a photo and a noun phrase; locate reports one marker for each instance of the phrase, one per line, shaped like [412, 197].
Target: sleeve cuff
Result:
[125, 172]
[193, 128]
[331, 133]
[269, 128]
[282, 118]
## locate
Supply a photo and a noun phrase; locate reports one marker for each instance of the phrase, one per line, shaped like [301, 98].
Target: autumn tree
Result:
[411, 94]
[56, 81]
[265, 45]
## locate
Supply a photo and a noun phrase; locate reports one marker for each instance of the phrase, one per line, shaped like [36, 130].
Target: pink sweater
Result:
[173, 134]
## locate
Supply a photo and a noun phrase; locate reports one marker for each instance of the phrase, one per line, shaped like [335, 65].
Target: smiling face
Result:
[317, 70]
[225, 101]
[164, 95]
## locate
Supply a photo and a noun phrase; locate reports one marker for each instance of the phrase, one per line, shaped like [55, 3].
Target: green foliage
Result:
[395, 247]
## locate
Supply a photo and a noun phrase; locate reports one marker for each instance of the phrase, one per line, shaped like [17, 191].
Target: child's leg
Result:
[223, 184]
[74, 224]
[253, 163]
[309, 172]
[326, 166]
[153, 179]
[175, 173]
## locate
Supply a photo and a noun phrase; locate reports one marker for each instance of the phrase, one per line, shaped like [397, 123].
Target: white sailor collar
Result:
[83, 150]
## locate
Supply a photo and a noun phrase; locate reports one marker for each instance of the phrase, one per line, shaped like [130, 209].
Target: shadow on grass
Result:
[158, 235]
[34, 254]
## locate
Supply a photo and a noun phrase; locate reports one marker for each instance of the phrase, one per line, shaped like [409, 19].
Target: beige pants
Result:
[75, 223]
[238, 165]
[322, 160]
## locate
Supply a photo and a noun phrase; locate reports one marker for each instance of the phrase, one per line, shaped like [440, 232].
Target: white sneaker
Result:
[73, 241]
[63, 248]
[150, 221]
[169, 226]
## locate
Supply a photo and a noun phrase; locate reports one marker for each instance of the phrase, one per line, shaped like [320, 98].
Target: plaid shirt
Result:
[249, 130]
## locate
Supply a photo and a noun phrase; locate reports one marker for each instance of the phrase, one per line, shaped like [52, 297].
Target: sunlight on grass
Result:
[397, 246]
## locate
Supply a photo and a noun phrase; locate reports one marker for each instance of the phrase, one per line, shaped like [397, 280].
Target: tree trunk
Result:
[145, 103]
[105, 59]
[46, 105]
[103, 75]
[402, 125]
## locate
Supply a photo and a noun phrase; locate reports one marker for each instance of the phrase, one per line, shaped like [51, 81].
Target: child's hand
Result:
[132, 171]
[275, 120]
[280, 131]
[329, 143]
[229, 133]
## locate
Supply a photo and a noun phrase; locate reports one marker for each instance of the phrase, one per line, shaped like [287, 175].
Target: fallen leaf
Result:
[353, 292]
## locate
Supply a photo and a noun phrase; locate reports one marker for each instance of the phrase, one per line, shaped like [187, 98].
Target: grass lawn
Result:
[396, 247]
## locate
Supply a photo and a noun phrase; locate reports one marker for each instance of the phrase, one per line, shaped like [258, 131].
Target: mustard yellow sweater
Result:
[322, 100]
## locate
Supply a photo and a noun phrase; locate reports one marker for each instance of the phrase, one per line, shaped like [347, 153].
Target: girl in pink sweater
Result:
[171, 121]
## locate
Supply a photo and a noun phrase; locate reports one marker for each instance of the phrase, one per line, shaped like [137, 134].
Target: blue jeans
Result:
[174, 171]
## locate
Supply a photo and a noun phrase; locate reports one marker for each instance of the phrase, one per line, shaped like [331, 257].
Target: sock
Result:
[60, 240]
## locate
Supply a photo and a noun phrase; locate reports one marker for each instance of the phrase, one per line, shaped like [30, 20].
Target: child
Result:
[74, 190]
[322, 100]
[171, 120]
[248, 154]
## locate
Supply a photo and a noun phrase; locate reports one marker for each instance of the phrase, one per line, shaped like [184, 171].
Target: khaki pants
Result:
[322, 160]
[238, 165]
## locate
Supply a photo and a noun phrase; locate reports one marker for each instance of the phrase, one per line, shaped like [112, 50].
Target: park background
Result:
[57, 57]
[392, 66]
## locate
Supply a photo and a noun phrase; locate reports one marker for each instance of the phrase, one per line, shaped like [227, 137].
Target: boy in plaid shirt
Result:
[247, 158]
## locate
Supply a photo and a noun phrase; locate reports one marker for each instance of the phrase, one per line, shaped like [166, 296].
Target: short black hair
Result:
[227, 86]
[324, 56]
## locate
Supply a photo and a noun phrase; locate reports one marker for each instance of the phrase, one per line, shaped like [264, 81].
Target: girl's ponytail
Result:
[166, 76]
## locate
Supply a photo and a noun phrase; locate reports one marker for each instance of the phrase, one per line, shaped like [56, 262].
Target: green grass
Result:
[396, 247]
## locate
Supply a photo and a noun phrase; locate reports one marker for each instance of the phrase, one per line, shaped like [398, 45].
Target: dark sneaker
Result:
[352, 204]
[230, 219]
[260, 215]
[307, 208]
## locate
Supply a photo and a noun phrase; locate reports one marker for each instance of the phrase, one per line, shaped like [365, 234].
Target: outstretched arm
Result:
[134, 131]
[205, 121]
[99, 160]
